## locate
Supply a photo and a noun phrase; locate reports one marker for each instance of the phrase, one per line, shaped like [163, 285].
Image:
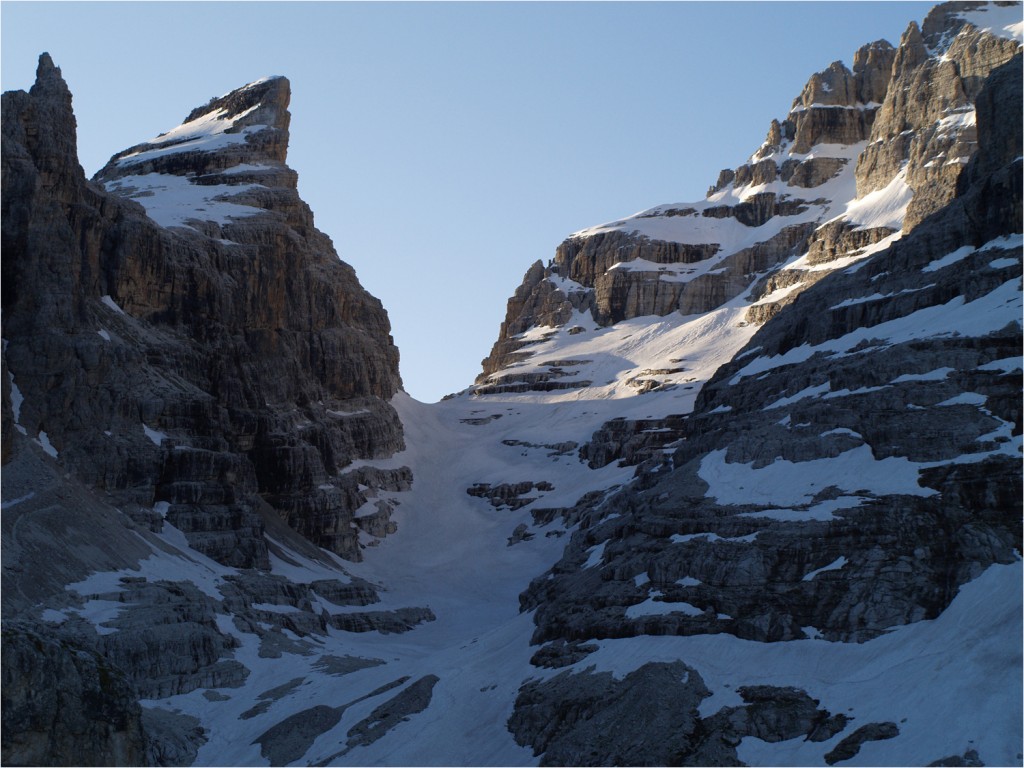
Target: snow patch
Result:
[112, 304]
[155, 436]
[965, 398]
[13, 502]
[1005, 364]
[44, 441]
[999, 20]
[950, 258]
[16, 401]
[835, 565]
[939, 374]
[785, 483]
[652, 607]
[174, 201]
[822, 512]
[984, 315]
[885, 207]
[595, 555]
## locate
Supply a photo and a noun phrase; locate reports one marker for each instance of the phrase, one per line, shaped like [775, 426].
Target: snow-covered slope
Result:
[740, 482]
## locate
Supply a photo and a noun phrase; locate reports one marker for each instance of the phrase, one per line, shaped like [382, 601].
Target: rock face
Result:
[90, 717]
[203, 359]
[848, 471]
[207, 351]
[818, 442]
[901, 123]
[651, 717]
[927, 124]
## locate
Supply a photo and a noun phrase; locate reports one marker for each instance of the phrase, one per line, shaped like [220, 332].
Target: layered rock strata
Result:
[201, 362]
[206, 352]
[899, 124]
[847, 472]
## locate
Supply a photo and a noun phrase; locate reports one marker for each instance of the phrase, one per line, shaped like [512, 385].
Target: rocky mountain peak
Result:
[901, 123]
[240, 375]
[872, 66]
[54, 151]
[48, 74]
[248, 126]
[261, 102]
[866, 84]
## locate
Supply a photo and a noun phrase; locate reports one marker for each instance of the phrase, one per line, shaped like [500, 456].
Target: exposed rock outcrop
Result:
[221, 362]
[944, 397]
[65, 705]
[202, 360]
[927, 121]
[651, 717]
[901, 123]
[847, 472]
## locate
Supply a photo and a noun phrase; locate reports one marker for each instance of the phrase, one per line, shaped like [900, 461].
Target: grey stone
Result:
[851, 745]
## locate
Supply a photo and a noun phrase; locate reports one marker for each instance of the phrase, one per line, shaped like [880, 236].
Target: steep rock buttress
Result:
[204, 357]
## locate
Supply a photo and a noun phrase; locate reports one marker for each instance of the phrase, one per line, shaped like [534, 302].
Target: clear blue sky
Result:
[445, 147]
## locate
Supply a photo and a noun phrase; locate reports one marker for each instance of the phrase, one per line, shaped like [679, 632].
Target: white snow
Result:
[841, 431]
[957, 120]
[779, 294]
[1006, 365]
[957, 317]
[204, 134]
[13, 502]
[835, 565]
[728, 232]
[937, 375]
[652, 607]
[155, 436]
[595, 555]
[44, 441]
[818, 105]
[785, 483]
[965, 398]
[16, 401]
[852, 261]
[885, 207]
[999, 20]
[112, 304]
[174, 201]
[943, 681]
[950, 258]
[104, 334]
[823, 511]
[878, 296]
[812, 391]
[1003, 263]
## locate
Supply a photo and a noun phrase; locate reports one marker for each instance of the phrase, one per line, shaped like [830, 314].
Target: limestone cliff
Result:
[864, 155]
[205, 354]
[851, 468]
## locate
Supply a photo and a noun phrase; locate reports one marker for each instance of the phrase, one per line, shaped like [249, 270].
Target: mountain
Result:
[740, 482]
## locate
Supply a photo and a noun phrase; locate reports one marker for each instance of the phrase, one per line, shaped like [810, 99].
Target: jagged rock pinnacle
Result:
[46, 66]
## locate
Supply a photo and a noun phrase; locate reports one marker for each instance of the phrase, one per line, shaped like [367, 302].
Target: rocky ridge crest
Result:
[899, 124]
